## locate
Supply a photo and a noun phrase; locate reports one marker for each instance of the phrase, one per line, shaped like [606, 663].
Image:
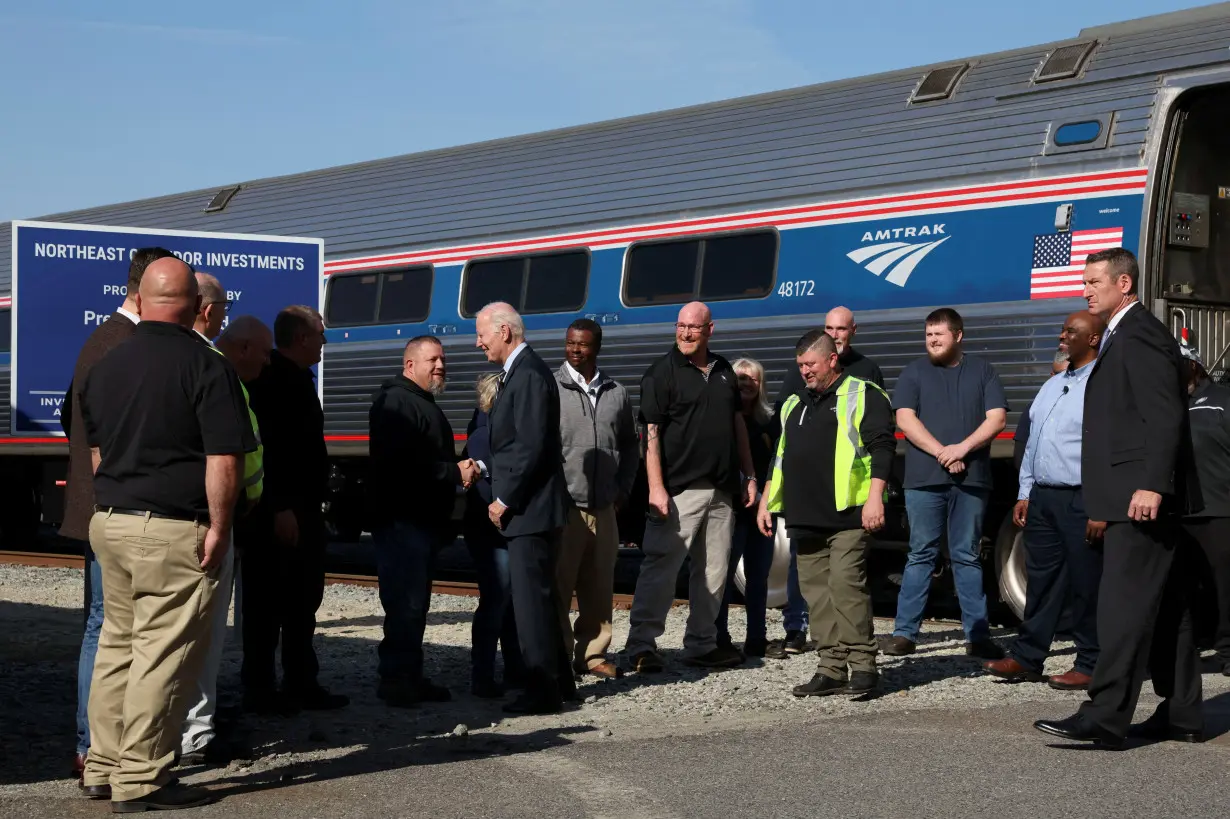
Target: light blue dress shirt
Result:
[1056, 420]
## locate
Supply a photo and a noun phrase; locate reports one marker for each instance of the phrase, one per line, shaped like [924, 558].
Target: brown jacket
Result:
[79, 494]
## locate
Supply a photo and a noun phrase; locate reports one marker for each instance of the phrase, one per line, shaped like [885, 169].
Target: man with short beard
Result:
[411, 491]
[950, 406]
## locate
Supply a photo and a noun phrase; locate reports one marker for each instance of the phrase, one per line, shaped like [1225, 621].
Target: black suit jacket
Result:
[527, 461]
[1136, 433]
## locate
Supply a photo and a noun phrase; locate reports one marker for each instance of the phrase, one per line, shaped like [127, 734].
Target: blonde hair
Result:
[486, 390]
[762, 410]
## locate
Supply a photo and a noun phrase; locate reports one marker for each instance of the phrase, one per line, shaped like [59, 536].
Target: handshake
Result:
[469, 472]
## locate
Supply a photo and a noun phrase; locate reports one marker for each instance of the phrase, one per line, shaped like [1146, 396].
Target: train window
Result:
[6, 331]
[557, 283]
[661, 273]
[1077, 133]
[352, 299]
[405, 295]
[739, 266]
[550, 283]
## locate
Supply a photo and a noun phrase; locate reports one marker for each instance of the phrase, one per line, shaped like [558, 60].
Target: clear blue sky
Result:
[104, 102]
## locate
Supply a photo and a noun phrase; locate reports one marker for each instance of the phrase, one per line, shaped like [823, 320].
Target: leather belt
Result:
[1057, 486]
[115, 510]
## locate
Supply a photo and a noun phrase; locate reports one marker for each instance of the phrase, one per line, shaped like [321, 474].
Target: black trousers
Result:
[1145, 627]
[531, 569]
[1212, 537]
[282, 589]
[1062, 569]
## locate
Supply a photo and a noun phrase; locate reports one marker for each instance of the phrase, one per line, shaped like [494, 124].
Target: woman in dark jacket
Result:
[493, 621]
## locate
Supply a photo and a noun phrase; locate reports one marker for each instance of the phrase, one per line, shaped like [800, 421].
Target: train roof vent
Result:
[939, 83]
[1065, 62]
[221, 199]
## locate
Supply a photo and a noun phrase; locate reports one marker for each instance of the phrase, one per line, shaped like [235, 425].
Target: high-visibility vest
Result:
[253, 462]
[851, 460]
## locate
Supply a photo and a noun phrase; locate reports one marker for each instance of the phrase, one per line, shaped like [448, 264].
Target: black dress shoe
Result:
[269, 703]
[534, 704]
[986, 649]
[168, 797]
[96, 791]
[487, 689]
[820, 686]
[1158, 729]
[1079, 729]
[317, 698]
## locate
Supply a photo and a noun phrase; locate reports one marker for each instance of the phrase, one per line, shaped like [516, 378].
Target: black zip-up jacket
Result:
[292, 426]
[1208, 409]
[807, 462]
[414, 474]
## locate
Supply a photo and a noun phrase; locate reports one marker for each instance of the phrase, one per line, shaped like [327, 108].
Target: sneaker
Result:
[755, 648]
[317, 698]
[986, 649]
[720, 657]
[647, 662]
[820, 686]
[898, 646]
[863, 682]
[776, 650]
[796, 643]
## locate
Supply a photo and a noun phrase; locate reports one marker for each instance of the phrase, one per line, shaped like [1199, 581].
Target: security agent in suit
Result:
[530, 505]
[1138, 475]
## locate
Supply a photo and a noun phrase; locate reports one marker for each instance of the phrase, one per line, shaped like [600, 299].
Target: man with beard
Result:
[412, 488]
[950, 406]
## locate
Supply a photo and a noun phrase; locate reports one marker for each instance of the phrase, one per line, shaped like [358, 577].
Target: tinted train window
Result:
[387, 297]
[352, 299]
[738, 266]
[550, 283]
[6, 331]
[405, 295]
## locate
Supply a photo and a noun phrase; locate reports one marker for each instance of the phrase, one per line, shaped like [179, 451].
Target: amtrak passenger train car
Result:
[979, 183]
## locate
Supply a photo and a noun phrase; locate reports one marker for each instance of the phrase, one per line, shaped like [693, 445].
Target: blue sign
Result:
[69, 279]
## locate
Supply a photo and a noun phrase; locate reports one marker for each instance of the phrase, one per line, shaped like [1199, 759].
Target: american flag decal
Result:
[1059, 260]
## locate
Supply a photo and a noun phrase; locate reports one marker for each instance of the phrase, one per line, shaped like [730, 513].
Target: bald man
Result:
[167, 427]
[699, 465]
[211, 317]
[1062, 567]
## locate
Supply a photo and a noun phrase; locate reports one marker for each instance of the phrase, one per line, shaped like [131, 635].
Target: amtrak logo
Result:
[896, 258]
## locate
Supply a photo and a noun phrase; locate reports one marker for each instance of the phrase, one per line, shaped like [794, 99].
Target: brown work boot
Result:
[1010, 669]
[1071, 681]
[897, 646]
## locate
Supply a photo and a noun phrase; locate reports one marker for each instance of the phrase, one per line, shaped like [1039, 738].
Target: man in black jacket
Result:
[1138, 476]
[282, 543]
[531, 501]
[411, 492]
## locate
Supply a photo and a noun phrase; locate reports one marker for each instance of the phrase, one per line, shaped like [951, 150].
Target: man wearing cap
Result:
[1208, 410]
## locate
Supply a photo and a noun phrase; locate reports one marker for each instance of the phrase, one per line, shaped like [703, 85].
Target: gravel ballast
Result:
[40, 628]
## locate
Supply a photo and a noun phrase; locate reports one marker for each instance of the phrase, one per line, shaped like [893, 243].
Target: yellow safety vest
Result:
[253, 462]
[851, 461]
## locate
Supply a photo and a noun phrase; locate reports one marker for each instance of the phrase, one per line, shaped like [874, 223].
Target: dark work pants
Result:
[1212, 537]
[531, 568]
[1061, 568]
[282, 589]
[1145, 627]
[405, 560]
[494, 624]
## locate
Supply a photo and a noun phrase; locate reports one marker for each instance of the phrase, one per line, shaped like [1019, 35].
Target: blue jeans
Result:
[757, 553]
[794, 616]
[933, 511]
[494, 623]
[89, 646]
[405, 557]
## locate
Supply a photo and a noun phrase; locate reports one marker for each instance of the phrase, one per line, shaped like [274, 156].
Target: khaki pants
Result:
[701, 524]
[155, 635]
[199, 726]
[833, 578]
[586, 565]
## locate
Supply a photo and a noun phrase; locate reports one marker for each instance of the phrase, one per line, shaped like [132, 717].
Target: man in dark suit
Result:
[79, 492]
[530, 502]
[1138, 476]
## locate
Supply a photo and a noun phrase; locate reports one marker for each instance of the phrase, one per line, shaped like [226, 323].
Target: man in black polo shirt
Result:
[167, 427]
[699, 464]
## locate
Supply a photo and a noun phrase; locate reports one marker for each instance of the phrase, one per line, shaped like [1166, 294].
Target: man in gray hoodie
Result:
[601, 455]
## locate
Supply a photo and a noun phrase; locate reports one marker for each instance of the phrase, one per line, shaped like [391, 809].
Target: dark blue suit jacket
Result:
[527, 462]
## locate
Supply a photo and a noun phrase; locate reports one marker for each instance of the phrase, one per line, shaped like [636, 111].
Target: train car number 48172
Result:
[807, 287]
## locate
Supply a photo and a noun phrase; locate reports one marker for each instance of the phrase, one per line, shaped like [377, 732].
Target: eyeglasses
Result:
[226, 305]
[695, 328]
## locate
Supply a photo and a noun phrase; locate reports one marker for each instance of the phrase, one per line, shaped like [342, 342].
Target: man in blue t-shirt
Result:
[950, 406]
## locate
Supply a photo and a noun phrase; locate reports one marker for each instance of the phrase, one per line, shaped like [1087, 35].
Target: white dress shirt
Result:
[133, 317]
[590, 388]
